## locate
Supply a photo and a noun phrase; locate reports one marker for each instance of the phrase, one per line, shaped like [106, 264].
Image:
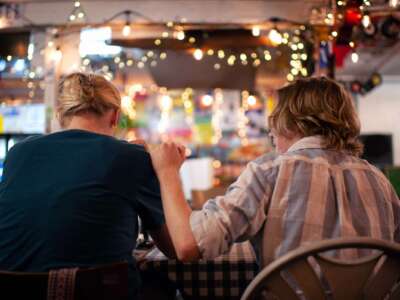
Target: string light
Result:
[256, 62]
[275, 37]
[290, 77]
[221, 54]
[77, 4]
[393, 3]
[354, 57]
[231, 60]
[366, 21]
[255, 31]
[180, 35]
[198, 54]
[267, 55]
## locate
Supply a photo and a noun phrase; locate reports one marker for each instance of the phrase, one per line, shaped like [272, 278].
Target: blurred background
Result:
[202, 72]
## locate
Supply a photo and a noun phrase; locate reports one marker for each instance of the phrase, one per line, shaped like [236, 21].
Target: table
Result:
[225, 277]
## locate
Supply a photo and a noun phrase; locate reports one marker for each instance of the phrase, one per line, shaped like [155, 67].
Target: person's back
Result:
[322, 194]
[71, 199]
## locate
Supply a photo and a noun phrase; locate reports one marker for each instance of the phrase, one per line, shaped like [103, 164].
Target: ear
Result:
[114, 117]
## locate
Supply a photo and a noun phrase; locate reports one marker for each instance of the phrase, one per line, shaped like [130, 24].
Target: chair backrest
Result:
[101, 283]
[310, 272]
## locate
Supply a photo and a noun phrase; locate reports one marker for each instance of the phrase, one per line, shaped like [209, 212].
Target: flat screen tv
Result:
[378, 149]
[14, 44]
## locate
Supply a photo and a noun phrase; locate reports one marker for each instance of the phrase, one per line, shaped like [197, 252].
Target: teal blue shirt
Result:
[73, 198]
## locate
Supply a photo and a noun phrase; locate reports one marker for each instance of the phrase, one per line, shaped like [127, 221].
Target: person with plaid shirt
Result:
[314, 188]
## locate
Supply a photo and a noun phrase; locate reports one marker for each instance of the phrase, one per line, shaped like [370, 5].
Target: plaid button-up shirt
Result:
[306, 194]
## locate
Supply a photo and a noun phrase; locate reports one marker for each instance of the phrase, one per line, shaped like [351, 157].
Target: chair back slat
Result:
[307, 280]
[346, 281]
[395, 294]
[383, 279]
[280, 288]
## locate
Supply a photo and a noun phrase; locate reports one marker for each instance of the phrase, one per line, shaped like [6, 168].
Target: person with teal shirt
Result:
[72, 198]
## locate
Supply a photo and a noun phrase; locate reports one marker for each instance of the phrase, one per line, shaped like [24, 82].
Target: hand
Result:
[167, 157]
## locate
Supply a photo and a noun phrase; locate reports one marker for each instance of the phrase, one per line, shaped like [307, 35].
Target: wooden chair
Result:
[99, 283]
[309, 273]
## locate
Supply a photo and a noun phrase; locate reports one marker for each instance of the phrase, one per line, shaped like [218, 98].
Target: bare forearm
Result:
[177, 213]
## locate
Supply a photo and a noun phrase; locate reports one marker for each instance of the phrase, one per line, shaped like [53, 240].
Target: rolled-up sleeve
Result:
[236, 216]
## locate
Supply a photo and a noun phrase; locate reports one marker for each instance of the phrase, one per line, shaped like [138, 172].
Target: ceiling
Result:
[55, 12]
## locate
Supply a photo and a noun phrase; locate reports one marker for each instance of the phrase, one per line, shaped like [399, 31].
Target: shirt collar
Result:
[309, 142]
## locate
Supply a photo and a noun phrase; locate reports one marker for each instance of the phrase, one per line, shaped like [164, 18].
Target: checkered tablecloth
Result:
[226, 277]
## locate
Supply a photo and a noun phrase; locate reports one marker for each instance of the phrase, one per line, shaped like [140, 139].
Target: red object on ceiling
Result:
[353, 16]
[341, 51]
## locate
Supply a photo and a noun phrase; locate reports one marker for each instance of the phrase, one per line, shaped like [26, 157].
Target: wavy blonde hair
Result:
[79, 92]
[318, 106]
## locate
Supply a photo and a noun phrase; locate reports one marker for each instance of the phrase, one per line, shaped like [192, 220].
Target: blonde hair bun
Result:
[79, 92]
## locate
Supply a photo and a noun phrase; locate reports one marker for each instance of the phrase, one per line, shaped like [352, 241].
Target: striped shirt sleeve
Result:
[236, 216]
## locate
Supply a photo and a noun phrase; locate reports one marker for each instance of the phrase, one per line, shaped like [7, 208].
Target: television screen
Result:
[14, 44]
[378, 149]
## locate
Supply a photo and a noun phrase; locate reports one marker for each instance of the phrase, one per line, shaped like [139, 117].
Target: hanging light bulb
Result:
[354, 57]
[180, 35]
[198, 54]
[393, 3]
[366, 21]
[127, 29]
[77, 3]
[255, 31]
[275, 36]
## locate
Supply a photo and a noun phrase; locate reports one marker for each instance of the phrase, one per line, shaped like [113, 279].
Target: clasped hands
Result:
[165, 157]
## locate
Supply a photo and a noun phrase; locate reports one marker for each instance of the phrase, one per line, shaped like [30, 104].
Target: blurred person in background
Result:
[72, 198]
[314, 188]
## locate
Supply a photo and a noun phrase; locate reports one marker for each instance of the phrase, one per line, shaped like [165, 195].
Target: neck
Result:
[92, 124]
